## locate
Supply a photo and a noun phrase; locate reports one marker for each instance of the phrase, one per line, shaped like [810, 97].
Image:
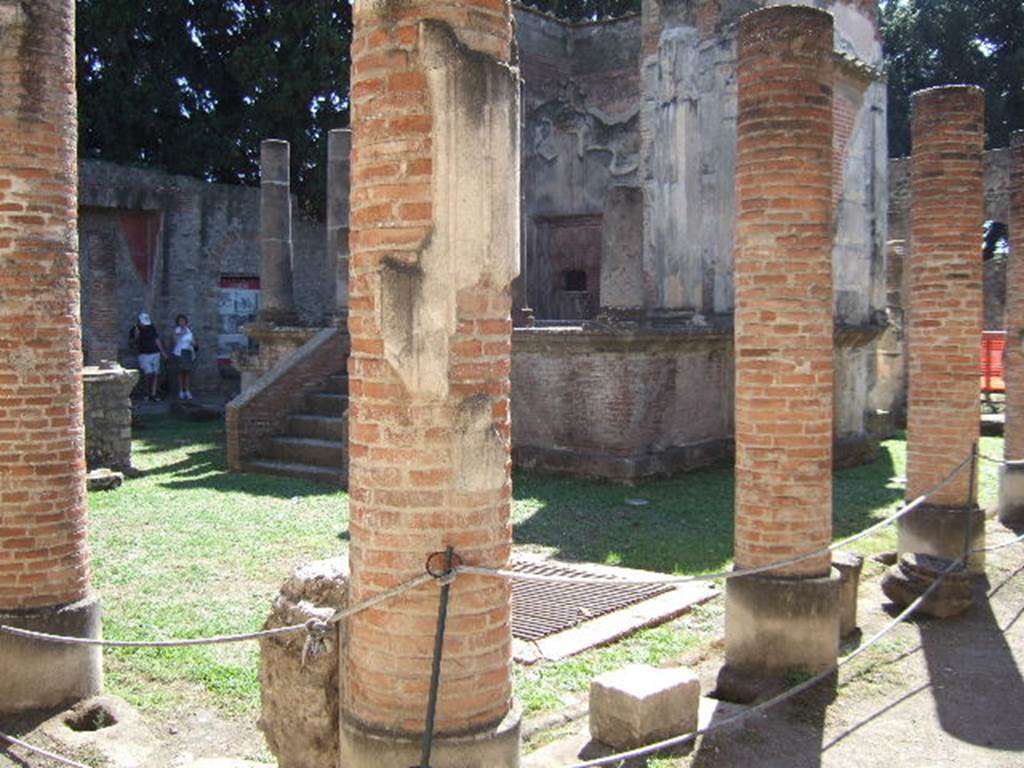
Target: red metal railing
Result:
[993, 344]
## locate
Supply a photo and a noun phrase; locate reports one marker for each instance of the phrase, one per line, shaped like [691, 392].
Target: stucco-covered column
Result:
[277, 302]
[789, 617]
[434, 249]
[945, 319]
[1011, 480]
[44, 559]
[339, 149]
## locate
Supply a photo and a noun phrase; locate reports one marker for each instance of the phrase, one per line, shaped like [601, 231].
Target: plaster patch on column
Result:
[475, 238]
[481, 454]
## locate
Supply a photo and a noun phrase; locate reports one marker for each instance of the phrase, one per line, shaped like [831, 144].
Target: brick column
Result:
[277, 301]
[784, 344]
[434, 249]
[1011, 480]
[339, 149]
[44, 561]
[945, 311]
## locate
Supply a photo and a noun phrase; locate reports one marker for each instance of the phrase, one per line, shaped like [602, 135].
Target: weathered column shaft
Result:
[277, 300]
[784, 342]
[1011, 485]
[339, 149]
[945, 315]
[434, 249]
[44, 562]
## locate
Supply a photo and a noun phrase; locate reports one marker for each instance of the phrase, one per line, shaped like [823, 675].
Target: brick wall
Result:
[43, 551]
[947, 179]
[784, 335]
[263, 408]
[1014, 360]
[434, 247]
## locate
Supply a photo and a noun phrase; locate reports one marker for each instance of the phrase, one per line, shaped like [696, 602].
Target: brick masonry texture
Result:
[945, 274]
[1014, 359]
[262, 410]
[784, 336]
[43, 556]
[429, 368]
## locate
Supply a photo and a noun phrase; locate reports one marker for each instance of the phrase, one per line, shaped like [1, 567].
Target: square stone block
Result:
[640, 705]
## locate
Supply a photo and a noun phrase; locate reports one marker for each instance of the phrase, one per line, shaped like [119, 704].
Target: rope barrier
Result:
[733, 574]
[42, 752]
[778, 699]
[309, 626]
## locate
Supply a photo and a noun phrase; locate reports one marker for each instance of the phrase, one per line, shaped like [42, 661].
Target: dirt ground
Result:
[934, 693]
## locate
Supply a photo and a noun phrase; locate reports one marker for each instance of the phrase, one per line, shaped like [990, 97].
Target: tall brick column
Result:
[784, 344]
[339, 149]
[277, 301]
[945, 318]
[44, 560]
[434, 249]
[1011, 480]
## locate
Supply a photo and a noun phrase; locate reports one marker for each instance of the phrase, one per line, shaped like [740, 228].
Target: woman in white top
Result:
[185, 349]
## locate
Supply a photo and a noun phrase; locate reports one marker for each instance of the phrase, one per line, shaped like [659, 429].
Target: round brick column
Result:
[1011, 481]
[434, 248]
[784, 343]
[44, 561]
[277, 300]
[945, 318]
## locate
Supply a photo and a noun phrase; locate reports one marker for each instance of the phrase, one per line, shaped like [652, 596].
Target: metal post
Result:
[435, 675]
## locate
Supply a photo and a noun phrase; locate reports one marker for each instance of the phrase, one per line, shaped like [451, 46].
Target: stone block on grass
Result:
[639, 705]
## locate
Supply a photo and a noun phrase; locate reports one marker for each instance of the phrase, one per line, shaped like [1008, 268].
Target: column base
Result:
[497, 747]
[42, 675]
[943, 532]
[1011, 496]
[775, 625]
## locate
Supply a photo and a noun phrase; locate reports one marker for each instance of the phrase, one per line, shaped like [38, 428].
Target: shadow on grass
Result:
[204, 466]
[686, 524]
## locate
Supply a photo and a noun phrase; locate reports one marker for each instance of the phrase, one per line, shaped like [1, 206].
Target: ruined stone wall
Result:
[581, 109]
[162, 243]
[621, 404]
[688, 129]
[108, 417]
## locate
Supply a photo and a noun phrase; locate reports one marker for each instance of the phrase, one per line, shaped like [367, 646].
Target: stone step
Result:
[315, 474]
[320, 427]
[337, 385]
[326, 404]
[308, 450]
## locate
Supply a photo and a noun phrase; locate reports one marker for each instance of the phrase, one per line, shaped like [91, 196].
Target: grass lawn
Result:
[191, 551]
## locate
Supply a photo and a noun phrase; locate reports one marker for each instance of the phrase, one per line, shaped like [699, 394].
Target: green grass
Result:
[189, 550]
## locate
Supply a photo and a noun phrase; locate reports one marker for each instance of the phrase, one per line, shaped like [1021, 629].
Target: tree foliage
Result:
[193, 86]
[580, 10]
[939, 42]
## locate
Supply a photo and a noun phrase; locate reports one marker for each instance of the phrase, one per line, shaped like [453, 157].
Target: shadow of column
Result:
[756, 741]
[977, 685]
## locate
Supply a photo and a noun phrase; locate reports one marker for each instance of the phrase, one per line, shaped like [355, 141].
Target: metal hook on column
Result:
[445, 577]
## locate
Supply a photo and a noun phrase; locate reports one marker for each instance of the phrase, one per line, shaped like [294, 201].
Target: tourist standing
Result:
[185, 349]
[150, 351]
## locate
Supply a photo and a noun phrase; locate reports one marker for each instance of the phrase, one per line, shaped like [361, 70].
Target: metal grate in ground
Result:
[541, 609]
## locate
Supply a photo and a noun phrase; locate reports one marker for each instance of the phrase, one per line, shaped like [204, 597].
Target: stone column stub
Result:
[339, 171]
[277, 300]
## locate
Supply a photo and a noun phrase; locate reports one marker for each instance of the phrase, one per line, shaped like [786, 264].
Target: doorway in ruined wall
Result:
[565, 267]
[120, 252]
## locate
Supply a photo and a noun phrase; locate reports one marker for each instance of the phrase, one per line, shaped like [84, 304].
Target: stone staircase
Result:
[314, 445]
